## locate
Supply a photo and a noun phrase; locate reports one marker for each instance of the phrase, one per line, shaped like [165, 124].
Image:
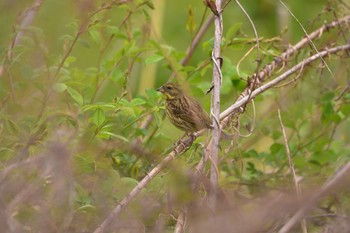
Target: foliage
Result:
[78, 131]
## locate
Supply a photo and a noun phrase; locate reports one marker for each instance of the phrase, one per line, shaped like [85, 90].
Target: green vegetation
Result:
[81, 122]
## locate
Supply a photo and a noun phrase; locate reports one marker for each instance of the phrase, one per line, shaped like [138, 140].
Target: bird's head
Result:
[171, 91]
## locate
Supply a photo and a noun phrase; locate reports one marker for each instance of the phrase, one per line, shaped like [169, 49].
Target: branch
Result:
[215, 107]
[196, 40]
[143, 183]
[279, 61]
[291, 167]
[233, 108]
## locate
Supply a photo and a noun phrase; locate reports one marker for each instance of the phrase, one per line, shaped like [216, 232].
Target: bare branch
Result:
[181, 221]
[255, 81]
[307, 36]
[291, 167]
[233, 108]
[215, 107]
[279, 61]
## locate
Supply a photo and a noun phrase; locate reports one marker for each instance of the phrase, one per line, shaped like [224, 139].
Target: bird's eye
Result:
[169, 87]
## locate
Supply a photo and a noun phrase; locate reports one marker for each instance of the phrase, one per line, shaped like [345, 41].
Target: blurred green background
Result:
[81, 123]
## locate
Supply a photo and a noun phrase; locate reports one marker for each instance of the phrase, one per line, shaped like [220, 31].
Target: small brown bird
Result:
[183, 111]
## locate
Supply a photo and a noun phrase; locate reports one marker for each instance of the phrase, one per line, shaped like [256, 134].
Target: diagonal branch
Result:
[279, 61]
[233, 108]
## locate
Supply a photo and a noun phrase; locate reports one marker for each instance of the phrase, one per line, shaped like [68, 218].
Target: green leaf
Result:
[329, 114]
[158, 117]
[136, 102]
[106, 135]
[105, 107]
[150, 4]
[233, 30]
[191, 23]
[69, 61]
[86, 208]
[85, 163]
[84, 43]
[123, 102]
[95, 36]
[128, 111]
[226, 86]
[59, 87]
[117, 76]
[99, 117]
[153, 59]
[112, 30]
[208, 45]
[276, 148]
[75, 95]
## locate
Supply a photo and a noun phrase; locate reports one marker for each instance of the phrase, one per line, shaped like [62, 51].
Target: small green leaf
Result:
[85, 163]
[69, 61]
[150, 4]
[95, 36]
[276, 148]
[123, 102]
[233, 30]
[84, 43]
[86, 208]
[112, 30]
[105, 134]
[158, 118]
[153, 59]
[117, 76]
[59, 87]
[191, 23]
[75, 95]
[105, 107]
[208, 45]
[136, 102]
[99, 117]
[128, 111]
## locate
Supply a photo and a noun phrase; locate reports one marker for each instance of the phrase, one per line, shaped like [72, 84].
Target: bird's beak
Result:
[160, 89]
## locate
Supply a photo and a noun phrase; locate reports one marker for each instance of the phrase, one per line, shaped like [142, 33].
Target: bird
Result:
[183, 111]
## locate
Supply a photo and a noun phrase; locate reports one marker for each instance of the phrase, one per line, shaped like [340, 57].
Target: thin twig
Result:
[308, 37]
[291, 167]
[181, 221]
[346, 88]
[255, 79]
[280, 60]
[196, 40]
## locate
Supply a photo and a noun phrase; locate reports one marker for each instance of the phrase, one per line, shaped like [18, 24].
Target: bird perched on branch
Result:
[183, 111]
